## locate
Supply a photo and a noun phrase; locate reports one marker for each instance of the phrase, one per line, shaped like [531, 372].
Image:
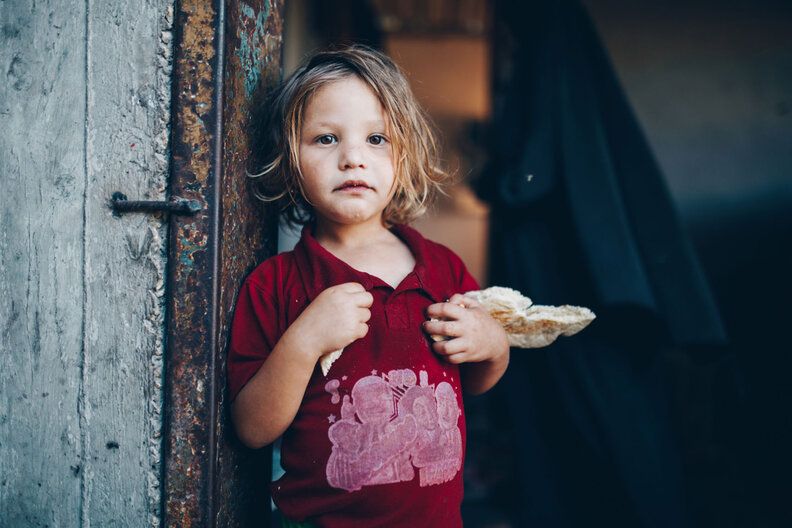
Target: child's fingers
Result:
[454, 350]
[445, 311]
[364, 314]
[350, 287]
[362, 330]
[356, 291]
[445, 328]
[364, 299]
[466, 302]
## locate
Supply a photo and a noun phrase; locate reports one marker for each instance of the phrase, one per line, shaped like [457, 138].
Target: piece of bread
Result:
[530, 325]
[503, 304]
[540, 325]
[327, 360]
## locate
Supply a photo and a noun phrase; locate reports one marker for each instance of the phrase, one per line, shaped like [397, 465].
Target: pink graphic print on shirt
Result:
[389, 427]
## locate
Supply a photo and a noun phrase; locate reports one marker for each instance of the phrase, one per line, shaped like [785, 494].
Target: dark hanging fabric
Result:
[563, 126]
[581, 215]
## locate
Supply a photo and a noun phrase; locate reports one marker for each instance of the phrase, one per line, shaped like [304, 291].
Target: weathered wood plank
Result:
[210, 252]
[42, 183]
[188, 451]
[253, 41]
[81, 321]
[127, 135]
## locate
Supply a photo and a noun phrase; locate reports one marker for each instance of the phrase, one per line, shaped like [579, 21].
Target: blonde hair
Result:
[414, 149]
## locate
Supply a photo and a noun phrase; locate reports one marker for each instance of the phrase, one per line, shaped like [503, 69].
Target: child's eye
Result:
[377, 139]
[327, 139]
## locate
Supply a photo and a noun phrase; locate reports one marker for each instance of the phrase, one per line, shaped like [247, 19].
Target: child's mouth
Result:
[353, 185]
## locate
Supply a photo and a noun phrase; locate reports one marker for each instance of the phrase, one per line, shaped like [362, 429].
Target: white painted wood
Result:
[127, 116]
[81, 290]
[42, 104]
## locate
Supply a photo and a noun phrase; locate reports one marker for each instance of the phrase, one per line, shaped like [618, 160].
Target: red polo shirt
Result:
[380, 440]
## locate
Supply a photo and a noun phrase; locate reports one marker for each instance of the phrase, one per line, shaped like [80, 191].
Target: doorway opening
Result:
[445, 49]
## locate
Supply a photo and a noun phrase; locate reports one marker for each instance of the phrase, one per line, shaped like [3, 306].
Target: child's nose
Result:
[351, 158]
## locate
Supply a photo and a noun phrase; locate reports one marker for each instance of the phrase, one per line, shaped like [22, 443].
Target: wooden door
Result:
[104, 421]
[84, 112]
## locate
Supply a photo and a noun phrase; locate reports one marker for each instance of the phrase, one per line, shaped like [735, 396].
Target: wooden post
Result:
[220, 58]
[249, 235]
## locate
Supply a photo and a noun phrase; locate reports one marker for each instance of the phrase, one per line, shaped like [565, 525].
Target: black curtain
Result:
[581, 215]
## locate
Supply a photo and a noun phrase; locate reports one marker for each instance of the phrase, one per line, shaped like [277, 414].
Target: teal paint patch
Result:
[252, 33]
[186, 256]
[188, 249]
[247, 10]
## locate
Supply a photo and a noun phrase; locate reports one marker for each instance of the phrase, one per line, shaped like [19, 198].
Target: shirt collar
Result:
[320, 269]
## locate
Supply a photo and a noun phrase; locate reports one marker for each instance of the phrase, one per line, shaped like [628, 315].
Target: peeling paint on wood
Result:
[208, 475]
[189, 397]
[254, 51]
[253, 44]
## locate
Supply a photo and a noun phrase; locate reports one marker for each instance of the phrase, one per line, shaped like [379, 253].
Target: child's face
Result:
[345, 154]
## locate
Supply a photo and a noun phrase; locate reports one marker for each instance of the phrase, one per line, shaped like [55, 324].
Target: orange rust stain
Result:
[197, 86]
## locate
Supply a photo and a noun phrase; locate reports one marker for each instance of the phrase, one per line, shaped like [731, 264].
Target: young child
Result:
[379, 441]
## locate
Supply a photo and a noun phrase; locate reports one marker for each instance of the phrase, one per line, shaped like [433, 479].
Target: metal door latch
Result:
[180, 206]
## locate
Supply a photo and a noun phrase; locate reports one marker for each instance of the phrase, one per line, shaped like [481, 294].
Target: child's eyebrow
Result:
[376, 123]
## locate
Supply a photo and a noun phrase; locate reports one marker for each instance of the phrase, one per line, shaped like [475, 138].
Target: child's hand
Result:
[333, 320]
[475, 335]
[268, 403]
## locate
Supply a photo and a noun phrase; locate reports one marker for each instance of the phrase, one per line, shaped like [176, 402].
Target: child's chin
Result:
[355, 216]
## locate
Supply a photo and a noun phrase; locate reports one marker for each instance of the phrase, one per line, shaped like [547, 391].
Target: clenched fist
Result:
[333, 320]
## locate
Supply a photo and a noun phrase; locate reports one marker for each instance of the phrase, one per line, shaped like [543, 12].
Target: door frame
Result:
[223, 56]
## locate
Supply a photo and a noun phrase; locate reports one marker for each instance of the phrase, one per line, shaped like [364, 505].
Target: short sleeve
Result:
[464, 280]
[254, 332]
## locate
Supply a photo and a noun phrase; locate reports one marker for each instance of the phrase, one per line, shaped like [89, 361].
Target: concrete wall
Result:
[711, 83]
[84, 111]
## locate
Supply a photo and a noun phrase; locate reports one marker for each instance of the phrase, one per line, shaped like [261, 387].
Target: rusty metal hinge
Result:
[176, 205]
